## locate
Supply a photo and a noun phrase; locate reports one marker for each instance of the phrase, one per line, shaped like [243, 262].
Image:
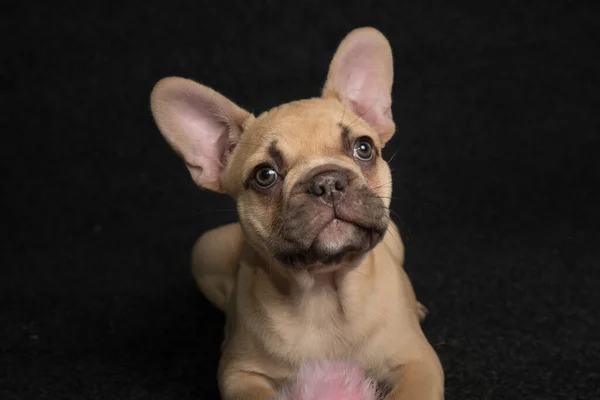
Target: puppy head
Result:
[308, 177]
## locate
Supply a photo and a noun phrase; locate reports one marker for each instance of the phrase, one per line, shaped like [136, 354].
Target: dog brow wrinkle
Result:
[346, 141]
[276, 155]
[345, 129]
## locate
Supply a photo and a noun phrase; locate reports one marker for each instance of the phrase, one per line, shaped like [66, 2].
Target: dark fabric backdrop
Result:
[496, 186]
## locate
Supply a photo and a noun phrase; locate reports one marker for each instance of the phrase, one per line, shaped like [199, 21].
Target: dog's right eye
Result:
[265, 177]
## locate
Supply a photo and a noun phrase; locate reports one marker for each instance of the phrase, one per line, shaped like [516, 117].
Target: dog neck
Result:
[347, 282]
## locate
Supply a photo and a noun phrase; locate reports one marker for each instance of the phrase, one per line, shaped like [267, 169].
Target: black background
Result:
[496, 186]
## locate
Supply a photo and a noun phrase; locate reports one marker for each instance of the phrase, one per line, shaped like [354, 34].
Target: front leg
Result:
[419, 378]
[395, 247]
[215, 262]
[245, 385]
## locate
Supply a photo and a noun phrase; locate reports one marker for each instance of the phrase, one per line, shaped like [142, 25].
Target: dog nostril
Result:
[340, 185]
[328, 184]
[317, 189]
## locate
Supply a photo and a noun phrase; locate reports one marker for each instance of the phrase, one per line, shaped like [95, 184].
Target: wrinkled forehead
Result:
[301, 131]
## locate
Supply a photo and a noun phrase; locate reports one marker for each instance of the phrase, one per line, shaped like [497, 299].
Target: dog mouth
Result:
[337, 240]
[339, 234]
[336, 233]
[336, 225]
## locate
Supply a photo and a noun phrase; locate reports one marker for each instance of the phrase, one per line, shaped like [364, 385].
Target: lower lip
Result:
[336, 231]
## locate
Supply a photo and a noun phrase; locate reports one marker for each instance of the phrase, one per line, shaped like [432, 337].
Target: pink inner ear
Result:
[200, 124]
[356, 75]
[206, 136]
[362, 76]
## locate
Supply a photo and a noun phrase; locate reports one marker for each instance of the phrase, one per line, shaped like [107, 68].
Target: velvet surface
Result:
[495, 165]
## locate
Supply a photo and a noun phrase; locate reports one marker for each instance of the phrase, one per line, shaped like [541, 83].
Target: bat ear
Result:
[361, 75]
[201, 125]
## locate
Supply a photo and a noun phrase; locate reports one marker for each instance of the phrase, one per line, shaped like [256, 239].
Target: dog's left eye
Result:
[363, 149]
[266, 177]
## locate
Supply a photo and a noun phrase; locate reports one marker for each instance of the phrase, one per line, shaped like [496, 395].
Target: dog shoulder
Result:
[393, 243]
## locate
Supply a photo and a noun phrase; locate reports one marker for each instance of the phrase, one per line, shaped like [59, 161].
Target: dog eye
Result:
[363, 149]
[265, 177]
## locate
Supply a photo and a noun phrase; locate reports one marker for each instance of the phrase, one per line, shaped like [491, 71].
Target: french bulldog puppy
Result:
[314, 269]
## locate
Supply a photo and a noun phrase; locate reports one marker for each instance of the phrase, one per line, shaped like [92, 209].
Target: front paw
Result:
[422, 311]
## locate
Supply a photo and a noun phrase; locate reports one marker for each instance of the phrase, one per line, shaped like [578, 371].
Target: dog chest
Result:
[314, 327]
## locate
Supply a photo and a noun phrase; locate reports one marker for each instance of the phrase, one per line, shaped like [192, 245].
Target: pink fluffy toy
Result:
[329, 380]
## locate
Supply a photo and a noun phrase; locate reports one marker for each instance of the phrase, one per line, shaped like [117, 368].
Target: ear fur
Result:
[200, 124]
[361, 75]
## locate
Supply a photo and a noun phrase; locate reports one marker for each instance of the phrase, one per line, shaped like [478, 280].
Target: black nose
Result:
[328, 184]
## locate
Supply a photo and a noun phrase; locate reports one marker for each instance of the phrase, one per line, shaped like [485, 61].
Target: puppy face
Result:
[308, 177]
[310, 183]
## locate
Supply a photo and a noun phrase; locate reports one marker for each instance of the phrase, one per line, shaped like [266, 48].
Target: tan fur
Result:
[362, 309]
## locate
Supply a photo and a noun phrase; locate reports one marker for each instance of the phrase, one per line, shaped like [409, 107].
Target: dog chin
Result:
[336, 236]
[338, 242]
